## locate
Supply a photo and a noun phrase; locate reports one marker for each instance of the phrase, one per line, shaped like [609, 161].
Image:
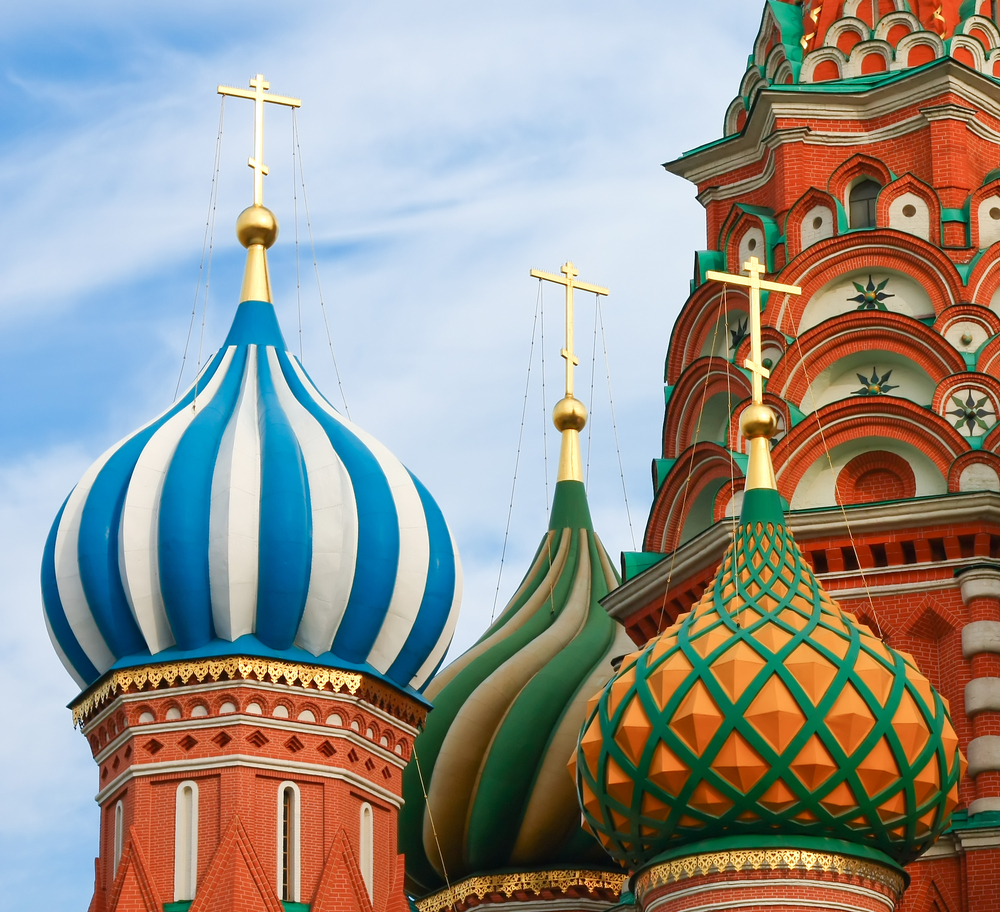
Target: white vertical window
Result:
[288, 842]
[366, 845]
[119, 833]
[186, 842]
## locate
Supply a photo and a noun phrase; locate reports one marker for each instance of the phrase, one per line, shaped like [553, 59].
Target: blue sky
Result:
[448, 149]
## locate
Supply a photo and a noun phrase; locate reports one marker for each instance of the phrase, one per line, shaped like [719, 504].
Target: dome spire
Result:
[570, 414]
[758, 422]
[256, 227]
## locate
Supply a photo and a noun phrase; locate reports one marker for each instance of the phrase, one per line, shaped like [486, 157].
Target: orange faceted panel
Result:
[707, 643]
[619, 687]
[893, 807]
[618, 784]
[875, 676]
[739, 764]
[778, 797]
[634, 730]
[736, 668]
[927, 782]
[772, 636]
[926, 823]
[813, 765]
[840, 801]
[830, 640]
[910, 727]
[850, 719]
[951, 801]
[664, 681]
[688, 821]
[667, 770]
[593, 702]
[950, 742]
[591, 744]
[775, 714]
[653, 807]
[813, 672]
[591, 802]
[709, 800]
[661, 646]
[923, 687]
[879, 769]
[793, 618]
[697, 719]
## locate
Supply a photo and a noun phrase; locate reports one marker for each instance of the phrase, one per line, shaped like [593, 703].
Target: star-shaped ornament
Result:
[871, 296]
[972, 413]
[738, 334]
[875, 385]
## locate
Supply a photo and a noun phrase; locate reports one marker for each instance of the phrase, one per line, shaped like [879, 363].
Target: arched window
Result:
[288, 842]
[366, 845]
[863, 196]
[186, 842]
[119, 833]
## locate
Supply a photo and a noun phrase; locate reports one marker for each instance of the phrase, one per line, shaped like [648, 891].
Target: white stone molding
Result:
[980, 582]
[979, 637]
[984, 805]
[888, 22]
[982, 695]
[984, 754]
[846, 24]
[861, 50]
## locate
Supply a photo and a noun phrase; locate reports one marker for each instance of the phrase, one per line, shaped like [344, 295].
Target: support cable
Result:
[614, 423]
[729, 409]
[430, 817]
[206, 245]
[590, 423]
[545, 411]
[687, 481]
[517, 457]
[298, 275]
[312, 246]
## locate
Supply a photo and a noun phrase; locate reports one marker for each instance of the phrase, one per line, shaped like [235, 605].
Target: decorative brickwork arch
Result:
[875, 476]
[895, 204]
[706, 463]
[701, 381]
[814, 203]
[966, 311]
[845, 33]
[856, 168]
[868, 58]
[825, 344]
[969, 51]
[983, 457]
[732, 488]
[696, 324]
[736, 116]
[851, 419]
[919, 48]
[896, 25]
[814, 268]
[822, 65]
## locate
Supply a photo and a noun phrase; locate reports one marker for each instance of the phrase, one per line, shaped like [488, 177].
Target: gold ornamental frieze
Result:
[482, 886]
[234, 668]
[763, 860]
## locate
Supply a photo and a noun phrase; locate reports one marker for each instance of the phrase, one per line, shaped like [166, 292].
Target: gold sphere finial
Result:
[758, 420]
[569, 414]
[257, 225]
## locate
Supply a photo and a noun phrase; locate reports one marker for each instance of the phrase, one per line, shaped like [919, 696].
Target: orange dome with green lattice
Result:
[767, 710]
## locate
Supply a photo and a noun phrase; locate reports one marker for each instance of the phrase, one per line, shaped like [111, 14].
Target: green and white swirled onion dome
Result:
[767, 715]
[251, 518]
[507, 714]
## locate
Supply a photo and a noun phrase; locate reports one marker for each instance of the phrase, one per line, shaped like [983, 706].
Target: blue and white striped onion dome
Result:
[251, 518]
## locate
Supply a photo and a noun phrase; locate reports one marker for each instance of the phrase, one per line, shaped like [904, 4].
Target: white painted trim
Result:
[188, 766]
[185, 843]
[366, 847]
[119, 834]
[984, 754]
[979, 637]
[327, 731]
[294, 838]
[982, 695]
[767, 898]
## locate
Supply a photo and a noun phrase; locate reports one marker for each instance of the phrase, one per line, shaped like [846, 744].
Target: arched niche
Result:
[900, 294]
[818, 485]
[732, 327]
[841, 381]
[701, 515]
[715, 417]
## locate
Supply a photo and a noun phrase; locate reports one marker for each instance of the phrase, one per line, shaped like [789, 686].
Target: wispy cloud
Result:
[449, 147]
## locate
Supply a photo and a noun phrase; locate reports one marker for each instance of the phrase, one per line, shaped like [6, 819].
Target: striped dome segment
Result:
[506, 718]
[251, 518]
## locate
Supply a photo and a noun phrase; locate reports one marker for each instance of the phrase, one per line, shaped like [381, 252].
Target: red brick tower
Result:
[860, 162]
[251, 592]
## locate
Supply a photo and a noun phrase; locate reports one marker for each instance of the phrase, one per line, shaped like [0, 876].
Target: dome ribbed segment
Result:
[251, 518]
[506, 718]
[767, 710]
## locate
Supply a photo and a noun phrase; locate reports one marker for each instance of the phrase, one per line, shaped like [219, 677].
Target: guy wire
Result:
[430, 817]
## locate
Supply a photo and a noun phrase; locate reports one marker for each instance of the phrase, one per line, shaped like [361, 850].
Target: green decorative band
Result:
[233, 668]
[484, 885]
[668, 872]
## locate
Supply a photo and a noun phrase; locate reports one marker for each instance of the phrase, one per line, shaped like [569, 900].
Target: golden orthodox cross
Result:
[568, 278]
[258, 86]
[754, 363]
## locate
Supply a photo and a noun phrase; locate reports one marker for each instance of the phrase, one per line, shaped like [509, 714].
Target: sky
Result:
[447, 148]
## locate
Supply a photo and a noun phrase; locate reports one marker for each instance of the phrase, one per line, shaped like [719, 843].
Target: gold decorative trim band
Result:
[764, 859]
[233, 668]
[482, 886]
